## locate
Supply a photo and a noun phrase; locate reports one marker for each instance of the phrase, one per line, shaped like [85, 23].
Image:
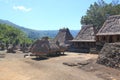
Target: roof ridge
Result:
[86, 33]
[111, 26]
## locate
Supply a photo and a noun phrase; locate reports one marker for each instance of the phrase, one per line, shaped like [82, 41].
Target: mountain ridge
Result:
[35, 34]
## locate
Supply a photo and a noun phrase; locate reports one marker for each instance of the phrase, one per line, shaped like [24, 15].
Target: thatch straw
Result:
[44, 46]
[111, 26]
[86, 34]
[63, 37]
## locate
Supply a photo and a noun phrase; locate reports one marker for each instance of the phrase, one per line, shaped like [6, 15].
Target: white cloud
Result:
[22, 8]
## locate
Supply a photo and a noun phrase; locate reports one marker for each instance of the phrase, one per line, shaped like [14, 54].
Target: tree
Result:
[99, 12]
[12, 35]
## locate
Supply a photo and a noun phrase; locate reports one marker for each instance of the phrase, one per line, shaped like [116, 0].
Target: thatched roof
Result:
[63, 37]
[111, 26]
[86, 34]
[53, 46]
[44, 46]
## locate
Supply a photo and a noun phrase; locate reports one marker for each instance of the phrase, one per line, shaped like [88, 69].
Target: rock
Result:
[83, 63]
[110, 55]
[70, 64]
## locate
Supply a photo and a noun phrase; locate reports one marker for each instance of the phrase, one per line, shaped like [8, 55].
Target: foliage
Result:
[9, 34]
[99, 12]
[36, 34]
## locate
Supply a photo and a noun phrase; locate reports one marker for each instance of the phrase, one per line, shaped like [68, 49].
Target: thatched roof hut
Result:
[44, 46]
[85, 39]
[111, 26]
[53, 46]
[63, 37]
[86, 34]
[110, 31]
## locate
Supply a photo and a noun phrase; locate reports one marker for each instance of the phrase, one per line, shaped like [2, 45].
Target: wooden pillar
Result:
[82, 44]
[104, 38]
[75, 44]
[110, 39]
[114, 38]
[90, 44]
[118, 38]
[107, 38]
[79, 44]
[100, 39]
[97, 38]
[85, 44]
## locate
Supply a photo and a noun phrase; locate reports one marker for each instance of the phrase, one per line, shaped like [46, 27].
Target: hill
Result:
[12, 35]
[35, 34]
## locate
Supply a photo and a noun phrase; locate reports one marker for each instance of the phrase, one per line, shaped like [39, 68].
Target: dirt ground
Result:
[71, 66]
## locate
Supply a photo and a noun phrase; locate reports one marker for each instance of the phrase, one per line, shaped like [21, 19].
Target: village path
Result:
[15, 67]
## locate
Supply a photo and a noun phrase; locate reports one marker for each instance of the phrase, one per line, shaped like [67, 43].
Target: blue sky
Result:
[45, 14]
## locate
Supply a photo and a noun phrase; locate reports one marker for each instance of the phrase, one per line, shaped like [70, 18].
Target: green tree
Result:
[9, 34]
[99, 12]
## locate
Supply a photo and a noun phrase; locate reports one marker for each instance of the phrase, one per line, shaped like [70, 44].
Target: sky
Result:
[45, 14]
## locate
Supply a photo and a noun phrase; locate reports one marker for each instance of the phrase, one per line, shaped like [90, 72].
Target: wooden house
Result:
[63, 38]
[110, 31]
[85, 40]
[44, 47]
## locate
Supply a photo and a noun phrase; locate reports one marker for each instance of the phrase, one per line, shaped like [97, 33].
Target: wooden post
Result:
[118, 38]
[114, 38]
[97, 38]
[100, 38]
[107, 38]
[110, 39]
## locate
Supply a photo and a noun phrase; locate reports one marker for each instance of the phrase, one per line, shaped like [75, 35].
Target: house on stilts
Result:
[85, 40]
[63, 38]
[110, 31]
[44, 47]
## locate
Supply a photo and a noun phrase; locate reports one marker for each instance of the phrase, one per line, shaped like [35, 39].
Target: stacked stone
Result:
[110, 55]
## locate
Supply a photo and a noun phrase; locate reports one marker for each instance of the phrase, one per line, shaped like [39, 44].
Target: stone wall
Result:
[110, 55]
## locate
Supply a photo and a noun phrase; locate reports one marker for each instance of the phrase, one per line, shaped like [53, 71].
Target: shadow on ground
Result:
[56, 55]
[48, 56]
[40, 58]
